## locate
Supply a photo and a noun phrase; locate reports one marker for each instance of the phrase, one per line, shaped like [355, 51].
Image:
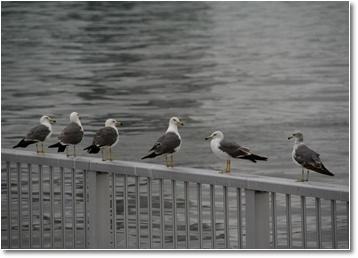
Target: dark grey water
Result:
[255, 70]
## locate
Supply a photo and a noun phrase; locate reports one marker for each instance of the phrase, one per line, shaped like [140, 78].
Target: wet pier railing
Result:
[50, 201]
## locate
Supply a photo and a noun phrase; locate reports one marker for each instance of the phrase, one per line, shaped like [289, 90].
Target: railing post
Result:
[257, 219]
[99, 231]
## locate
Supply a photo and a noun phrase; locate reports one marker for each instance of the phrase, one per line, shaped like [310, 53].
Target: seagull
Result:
[105, 137]
[228, 150]
[71, 135]
[306, 158]
[38, 134]
[168, 143]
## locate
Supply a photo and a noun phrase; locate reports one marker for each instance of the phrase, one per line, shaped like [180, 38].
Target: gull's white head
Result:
[175, 121]
[215, 135]
[47, 120]
[112, 123]
[297, 135]
[74, 117]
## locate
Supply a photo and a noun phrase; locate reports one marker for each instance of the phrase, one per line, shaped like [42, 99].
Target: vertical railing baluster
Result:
[304, 222]
[29, 167]
[52, 214]
[40, 204]
[161, 213]
[149, 182]
[239, 217]
[213, 219]
[274, 219]
[19, 194]
[63, 208]
[288, 220]
[114, 210]
[348, 224]
[187, 219]
[74, 207]
[199, 216]
[137, 187]
[333, 223]
[174, 214]
[9, 201]
[318, 221]
[226, 217]
[125, 202]
[85, 200]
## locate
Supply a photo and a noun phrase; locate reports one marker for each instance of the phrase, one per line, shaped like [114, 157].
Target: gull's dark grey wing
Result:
[105, 137]
[38, 133]
[233, 149]
[71, 134]
[310, 159]
[167, 143]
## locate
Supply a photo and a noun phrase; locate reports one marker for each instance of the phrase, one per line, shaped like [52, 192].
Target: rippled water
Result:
[255, 70]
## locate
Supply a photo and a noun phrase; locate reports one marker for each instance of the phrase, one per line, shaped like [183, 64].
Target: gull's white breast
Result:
[214, 145]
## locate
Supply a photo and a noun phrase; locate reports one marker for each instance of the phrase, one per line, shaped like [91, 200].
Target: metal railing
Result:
[50, 201]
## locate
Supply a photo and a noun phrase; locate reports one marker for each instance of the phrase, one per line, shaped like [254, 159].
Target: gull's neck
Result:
[172, 128]
[114, 127]
[77, 121]
[47, 123]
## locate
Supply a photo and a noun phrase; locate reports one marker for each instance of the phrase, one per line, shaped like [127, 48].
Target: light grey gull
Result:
[38, 134]
[72, 134]
[228, 150]
[168, 143]
[306, 158]
[105, 137]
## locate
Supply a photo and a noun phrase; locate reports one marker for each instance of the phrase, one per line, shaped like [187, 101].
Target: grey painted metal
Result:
[257, 219]
[19, 196]
[103, 217]
[304, 221]
[114, 210]
[161, 213]
[137, 187]
[125, 205]
[187, 218]
[52, 213]
[41, 206]
[85, 200]
[318, 222]
[29, 167]
[274, 219]
[63, 208]
[200, 231]
[288, 221]
[91, 236]
[239, 217]
[174, 214]
[74, 208]
[203, 176]
[333, 223]
[149, 182]
[213, 217]
[226, 218]
[9, 202]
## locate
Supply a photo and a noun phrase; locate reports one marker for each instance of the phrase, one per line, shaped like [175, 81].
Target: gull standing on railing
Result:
[228, 150]
[38, 134]
[72, 134]
[107, 136]
[306, 158]
[168, 143]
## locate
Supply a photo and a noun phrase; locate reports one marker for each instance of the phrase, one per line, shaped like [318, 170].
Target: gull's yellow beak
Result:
[290, 137]
[118, 124]
[209, 137]
[52, 120]
[180, 123]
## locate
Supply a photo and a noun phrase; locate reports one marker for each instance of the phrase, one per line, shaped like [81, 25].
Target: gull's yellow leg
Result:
[67, 151]
[302, 179]
[42, 147]
[102, 154]
[37, 148]
[172, 160]
[166, 161]
[74, 150]
[308, 172]
[229, 166]
[110, 153]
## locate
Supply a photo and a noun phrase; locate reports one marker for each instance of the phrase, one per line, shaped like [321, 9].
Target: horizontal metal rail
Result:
[203, 176]
[88, 189]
